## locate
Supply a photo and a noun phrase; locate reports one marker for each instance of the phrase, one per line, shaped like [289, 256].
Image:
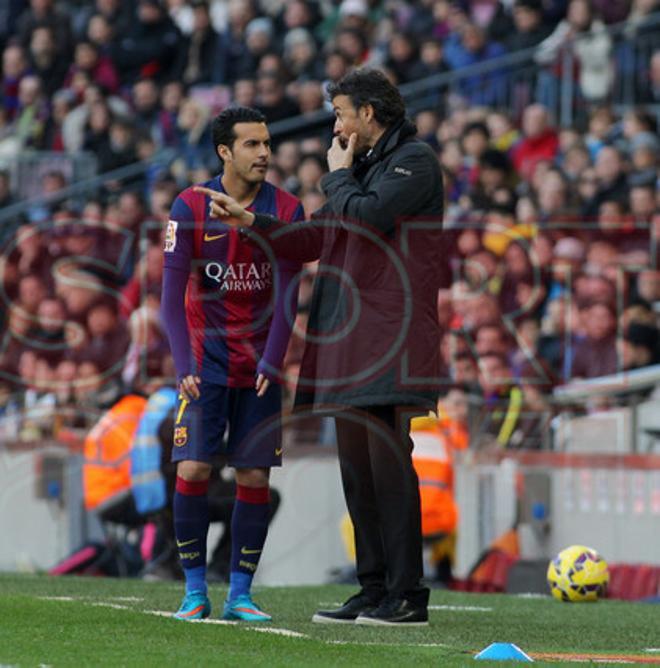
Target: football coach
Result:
[372, 342]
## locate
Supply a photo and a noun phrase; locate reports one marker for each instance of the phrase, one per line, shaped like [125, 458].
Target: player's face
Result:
[349, 120]
[249, 157]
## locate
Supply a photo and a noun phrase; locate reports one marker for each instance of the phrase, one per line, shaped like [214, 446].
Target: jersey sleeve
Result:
[179, 236]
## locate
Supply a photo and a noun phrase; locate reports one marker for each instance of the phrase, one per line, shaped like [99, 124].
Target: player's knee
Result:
[193, 471]
[252, 477]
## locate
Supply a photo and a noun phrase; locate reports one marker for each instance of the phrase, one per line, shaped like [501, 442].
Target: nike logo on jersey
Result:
[278, 452]
[213, 237]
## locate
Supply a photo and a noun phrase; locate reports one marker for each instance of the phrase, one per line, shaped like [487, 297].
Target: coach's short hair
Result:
[223, 124]
[366, 86]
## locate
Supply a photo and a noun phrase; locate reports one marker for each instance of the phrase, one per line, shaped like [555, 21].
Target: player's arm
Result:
[409, 180]
[301, 242]
[176, 270]
[284, 314]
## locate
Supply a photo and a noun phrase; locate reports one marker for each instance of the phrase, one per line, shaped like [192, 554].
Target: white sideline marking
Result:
[170, 614]
[386, 644]
[56, 598]
[278, 632]
[128, 599]
[652, 649]
[105, 604]
[460, 608]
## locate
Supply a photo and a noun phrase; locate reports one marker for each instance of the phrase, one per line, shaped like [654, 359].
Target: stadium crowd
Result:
[550, 240]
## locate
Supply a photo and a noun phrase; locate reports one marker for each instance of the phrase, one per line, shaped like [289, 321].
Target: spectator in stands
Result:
[15, 66]
[592, 46]
[89, 58]
[47, 332]
[469, 48]
[32, 114]
[642, 204]
[272, 100]
[119, 150]
[145, 96]
[644, 148]
[193, 139]
[299, 52]
[115, 13]
[502, 403]
[540, 141]
[403, 58]
[147, 347]
[595, 354]
[149, 47]
[108, 337]
[144, 286]
[530, 28]
[45, 13]
[200, 47]
[45, 61]
[232, 48]
[612, 182]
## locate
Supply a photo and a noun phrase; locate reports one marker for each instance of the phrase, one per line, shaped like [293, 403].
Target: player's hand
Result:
[189, 387]
[226, 207]
[341, 157]
[262, 385]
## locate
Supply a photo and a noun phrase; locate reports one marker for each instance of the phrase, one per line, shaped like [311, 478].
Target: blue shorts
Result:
[254, 439]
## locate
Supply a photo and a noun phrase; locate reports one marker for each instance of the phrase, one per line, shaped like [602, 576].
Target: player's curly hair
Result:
[367, 86]
[223, 124]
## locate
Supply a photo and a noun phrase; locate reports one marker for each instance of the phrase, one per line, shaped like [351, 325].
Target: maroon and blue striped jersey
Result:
[229, 302]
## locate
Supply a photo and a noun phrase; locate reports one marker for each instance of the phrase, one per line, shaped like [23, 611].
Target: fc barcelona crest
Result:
[180, 436]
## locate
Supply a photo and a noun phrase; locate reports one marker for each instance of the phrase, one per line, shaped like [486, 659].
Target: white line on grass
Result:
[105, 604]
[128, 599]
[387, 644]
[278, 632]
[170, 614]
[652, 649]
[56, 598]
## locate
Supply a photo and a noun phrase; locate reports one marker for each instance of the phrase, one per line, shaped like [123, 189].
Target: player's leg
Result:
[397, 493]
[254, 446]
[198, 429]
[360, 495]
[249, 527]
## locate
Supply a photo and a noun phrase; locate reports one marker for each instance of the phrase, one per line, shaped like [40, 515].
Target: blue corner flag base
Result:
[503, 651]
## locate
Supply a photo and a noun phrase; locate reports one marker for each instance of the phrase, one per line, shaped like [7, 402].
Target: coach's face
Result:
[349, 120]
[249, 155]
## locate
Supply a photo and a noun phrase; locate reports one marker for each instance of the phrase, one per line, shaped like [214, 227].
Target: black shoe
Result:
[395, 611]
[349, 612]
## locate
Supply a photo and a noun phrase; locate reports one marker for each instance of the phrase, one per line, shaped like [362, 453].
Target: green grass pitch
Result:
[113, 622]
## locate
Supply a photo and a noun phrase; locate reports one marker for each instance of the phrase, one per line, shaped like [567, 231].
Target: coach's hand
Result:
[189, 387]
[340, 157]
[262, 385]
[226, 207]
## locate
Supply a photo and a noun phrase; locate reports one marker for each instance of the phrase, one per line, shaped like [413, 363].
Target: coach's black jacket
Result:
[373, 335]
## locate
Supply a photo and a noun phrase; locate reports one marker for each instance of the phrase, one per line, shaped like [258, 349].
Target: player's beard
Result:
[254, 176]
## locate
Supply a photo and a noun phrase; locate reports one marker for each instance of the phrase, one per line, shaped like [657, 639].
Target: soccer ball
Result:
[578, 573]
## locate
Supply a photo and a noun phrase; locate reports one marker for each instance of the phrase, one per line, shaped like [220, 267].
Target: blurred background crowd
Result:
[551, 226]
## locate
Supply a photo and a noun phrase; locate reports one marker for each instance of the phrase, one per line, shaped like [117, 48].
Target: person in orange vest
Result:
[436, 438]
[107, 458]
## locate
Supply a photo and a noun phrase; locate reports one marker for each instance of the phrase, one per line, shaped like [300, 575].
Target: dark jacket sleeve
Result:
[301, 242]
[409, 180]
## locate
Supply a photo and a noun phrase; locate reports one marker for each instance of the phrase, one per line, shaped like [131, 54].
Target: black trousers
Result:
[382, 495]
